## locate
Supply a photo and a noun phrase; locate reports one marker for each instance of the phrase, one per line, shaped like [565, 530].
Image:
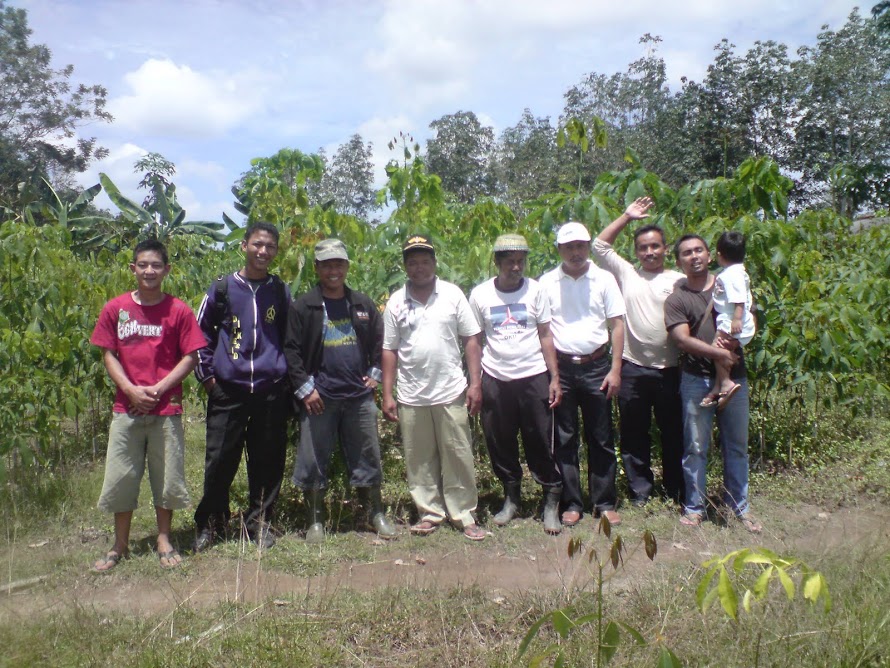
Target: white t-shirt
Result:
[427, 340]
[510, 322]
[646, 341]
[734, 287]
[579, 308]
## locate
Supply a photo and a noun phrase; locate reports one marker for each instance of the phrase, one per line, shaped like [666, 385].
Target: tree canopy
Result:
[40, 112]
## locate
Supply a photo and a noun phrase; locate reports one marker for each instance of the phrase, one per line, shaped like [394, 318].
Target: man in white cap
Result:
[520, 381]
[333, 344]
[585, 304]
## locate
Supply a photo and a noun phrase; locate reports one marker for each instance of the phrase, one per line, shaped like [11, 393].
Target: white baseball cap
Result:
[572, 232]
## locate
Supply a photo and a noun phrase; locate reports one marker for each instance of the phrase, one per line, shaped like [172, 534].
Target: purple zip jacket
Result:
[249, 355]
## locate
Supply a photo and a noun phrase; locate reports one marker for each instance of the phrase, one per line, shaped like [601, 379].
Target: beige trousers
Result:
[439, 461]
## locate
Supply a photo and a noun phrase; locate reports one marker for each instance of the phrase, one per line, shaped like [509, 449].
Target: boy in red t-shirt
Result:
[150, 342]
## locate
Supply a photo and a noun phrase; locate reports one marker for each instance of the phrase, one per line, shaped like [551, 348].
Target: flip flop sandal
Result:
[474, 532]
[112, 558]
[710, 401]
[724, 397]
[691, 519]
[168, 555]
[424, 528]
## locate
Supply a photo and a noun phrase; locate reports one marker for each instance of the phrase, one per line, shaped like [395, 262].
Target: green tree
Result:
[274, 188]
[881, 14]
[40, 111]
[842, 148]
[348, 180]
[460, 154]
[526, 161]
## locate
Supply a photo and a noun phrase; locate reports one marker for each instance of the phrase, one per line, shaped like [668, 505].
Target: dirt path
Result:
[539, 563]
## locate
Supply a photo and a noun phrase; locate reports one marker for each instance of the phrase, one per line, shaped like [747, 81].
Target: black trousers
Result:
[644, 390]
[581, 390]
[514, 407]
[237, 421]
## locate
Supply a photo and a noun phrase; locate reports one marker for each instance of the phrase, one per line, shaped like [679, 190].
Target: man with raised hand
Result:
[585, 305]
[520, 381]
[244, 372]
[689, 318]
[650, 378]
[424, 323]
[333, 346]
[150, 342]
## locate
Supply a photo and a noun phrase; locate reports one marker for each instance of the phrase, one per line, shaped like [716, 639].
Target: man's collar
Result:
[563, 274]
[408, 289]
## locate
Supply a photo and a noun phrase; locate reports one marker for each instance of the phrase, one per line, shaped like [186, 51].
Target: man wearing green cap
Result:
[333, 345]
[520, 379]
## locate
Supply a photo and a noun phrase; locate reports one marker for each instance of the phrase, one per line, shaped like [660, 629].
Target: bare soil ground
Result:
[511, 561]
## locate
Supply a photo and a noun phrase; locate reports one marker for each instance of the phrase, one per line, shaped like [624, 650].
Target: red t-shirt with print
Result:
[149, 342]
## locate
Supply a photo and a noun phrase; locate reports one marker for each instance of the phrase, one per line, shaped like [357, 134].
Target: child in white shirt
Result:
[732, 303]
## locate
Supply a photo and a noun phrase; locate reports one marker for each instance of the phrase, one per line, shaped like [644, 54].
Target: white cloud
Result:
[173, 100]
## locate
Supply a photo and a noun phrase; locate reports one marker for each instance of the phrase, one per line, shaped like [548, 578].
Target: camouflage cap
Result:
[330, 249]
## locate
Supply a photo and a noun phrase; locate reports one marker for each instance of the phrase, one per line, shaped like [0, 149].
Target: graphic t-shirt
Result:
[342, 368]
[510, 321]
[149, 342]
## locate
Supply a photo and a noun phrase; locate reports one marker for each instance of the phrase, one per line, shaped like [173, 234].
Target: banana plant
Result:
[164, 219]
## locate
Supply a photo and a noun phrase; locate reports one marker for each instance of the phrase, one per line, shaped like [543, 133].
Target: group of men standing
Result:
[526, 354]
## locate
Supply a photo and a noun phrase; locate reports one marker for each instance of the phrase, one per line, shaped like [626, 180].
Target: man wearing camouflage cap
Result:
[520, 379]
[333, 344]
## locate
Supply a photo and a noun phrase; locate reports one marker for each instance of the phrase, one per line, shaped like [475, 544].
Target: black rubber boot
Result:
[315, 507]
[372, 500]
[512, 499]
[552, 524]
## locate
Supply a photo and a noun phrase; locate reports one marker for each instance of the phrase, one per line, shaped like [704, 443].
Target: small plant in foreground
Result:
[608, 632]
[772, 567]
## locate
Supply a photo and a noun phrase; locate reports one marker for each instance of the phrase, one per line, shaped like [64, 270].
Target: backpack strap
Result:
[221, 299]
[223, 312]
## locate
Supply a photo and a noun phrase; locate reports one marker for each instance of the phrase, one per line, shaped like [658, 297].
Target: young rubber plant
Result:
[608, 632]
[772, 567]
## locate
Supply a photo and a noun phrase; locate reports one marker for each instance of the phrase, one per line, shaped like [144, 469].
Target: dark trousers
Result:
[236, 421]
[352, 423]
[519, 406]
[581, 389]
[644, 390]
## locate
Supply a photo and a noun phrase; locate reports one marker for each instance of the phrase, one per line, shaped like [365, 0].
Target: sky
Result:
[211, 84]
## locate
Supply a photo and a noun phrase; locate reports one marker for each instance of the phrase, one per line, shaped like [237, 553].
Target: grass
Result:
[306, 605]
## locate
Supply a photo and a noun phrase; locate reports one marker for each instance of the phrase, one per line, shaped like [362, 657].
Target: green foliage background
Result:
[821, 292]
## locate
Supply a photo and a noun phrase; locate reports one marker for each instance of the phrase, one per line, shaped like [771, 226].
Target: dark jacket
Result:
[249, 354]
[304, 337]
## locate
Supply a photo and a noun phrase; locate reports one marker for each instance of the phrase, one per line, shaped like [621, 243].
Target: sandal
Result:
[710, 401]
[424, 528]
[109, 561]
[750, 523]
[474, 532]
[168, 555]
[691, 519]
[724, 397]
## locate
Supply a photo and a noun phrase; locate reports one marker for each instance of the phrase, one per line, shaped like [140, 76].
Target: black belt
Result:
[581, 359]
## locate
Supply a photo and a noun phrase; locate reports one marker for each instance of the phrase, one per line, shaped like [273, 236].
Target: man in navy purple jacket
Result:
[244, 371]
